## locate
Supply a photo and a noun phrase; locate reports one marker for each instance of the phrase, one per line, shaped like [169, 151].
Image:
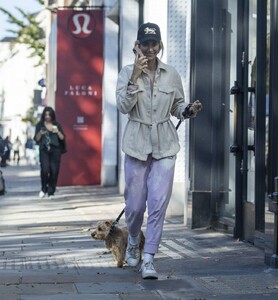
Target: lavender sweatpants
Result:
[148, 183]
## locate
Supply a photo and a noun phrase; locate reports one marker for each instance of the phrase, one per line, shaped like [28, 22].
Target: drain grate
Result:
[240, 284]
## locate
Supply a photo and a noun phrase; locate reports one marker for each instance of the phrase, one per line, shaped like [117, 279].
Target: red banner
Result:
[79, 94]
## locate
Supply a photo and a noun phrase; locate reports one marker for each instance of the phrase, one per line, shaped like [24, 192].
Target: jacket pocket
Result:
[165, 90]
[165, 98]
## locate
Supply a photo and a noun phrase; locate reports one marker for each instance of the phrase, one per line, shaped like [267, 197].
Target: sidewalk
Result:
[46, 252]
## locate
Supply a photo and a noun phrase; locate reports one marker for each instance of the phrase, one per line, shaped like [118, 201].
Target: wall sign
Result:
[79, 94]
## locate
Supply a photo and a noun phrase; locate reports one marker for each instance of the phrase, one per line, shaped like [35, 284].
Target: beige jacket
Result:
[149, 129]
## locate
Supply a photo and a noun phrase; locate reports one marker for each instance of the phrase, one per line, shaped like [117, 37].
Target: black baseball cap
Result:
[148, 31]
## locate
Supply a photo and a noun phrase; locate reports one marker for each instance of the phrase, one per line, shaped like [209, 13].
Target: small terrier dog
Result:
[115, 240]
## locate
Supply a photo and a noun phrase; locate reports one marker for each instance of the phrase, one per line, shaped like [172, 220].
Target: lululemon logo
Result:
[81, 25]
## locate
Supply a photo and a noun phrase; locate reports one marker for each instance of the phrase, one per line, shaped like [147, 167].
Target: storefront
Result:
[234, 66]
[231, 50]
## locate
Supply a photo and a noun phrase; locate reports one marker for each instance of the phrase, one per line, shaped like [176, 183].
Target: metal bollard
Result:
[273, 207]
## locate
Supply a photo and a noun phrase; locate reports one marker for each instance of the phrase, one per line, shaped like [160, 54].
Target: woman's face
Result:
[47, 116]
[150, 49]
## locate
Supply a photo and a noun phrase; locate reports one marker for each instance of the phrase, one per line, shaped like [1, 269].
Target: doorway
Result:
[228, 73]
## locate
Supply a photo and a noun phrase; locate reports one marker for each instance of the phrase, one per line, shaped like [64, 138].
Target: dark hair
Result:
[161, 46]
[51, 113]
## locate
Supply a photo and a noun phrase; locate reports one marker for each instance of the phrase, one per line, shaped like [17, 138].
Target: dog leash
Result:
[185, 113]
[116, 222]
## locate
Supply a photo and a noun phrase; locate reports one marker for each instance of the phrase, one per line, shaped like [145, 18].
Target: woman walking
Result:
[16, 148]
[149, 91]
[48, 136]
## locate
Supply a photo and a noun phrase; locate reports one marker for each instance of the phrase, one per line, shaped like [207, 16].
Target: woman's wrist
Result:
[60, 135]
[133, 79]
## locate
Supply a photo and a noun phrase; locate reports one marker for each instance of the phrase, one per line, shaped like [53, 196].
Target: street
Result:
[47, 251]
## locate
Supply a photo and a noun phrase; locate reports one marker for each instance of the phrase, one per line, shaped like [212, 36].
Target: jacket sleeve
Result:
[125, 99]
[179, 104]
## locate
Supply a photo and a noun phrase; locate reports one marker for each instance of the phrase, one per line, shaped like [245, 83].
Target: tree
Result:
[29, 32]
[30, 116]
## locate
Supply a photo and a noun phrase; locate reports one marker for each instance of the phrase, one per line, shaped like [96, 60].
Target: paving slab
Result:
[141, 296]
[13, 290]
[72, 297]
[107, 287]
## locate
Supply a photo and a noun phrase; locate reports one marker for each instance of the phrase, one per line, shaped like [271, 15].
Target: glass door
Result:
[250, 87]
[229, 209]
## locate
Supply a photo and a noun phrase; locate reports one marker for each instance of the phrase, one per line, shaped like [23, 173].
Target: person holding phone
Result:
[149, 92]
[48, 136]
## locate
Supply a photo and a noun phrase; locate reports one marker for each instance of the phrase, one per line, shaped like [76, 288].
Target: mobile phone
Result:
[136, 50]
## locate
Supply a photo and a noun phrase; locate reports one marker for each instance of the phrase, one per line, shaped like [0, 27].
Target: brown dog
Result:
[116, 240]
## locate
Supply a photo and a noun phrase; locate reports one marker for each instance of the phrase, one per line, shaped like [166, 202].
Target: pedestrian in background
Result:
[29, 150]
[6, 156]
[149, 91]
[2, 152]
[16, 148]
[3, 148]
[48, 135]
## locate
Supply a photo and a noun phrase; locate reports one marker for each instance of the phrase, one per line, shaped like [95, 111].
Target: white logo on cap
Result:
[150, 30]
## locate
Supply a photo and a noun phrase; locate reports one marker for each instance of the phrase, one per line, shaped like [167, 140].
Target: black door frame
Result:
[250, 217]
[260, 113]
[237, 148]
[271, 245]
[273, 98]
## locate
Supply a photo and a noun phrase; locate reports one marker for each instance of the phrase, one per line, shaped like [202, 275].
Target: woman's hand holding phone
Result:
[43, 131]
[141, 62]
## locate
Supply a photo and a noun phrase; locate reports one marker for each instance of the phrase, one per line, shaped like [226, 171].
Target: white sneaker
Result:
[41, 194]
[132, 255]
[148, 270]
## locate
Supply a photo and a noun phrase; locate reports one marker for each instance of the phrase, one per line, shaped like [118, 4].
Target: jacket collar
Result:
[161, 65]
